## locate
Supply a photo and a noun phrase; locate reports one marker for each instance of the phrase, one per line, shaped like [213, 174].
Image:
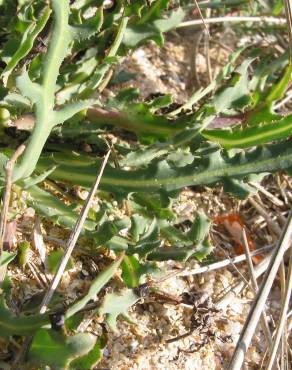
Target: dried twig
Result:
[259, 302]
[224, 263]
[282, 191]
[283, 315]
[284, 100]
[6, 198]
[207, 48]
[273, 225]
[230, 19]
[236, 289]
[73, 238]
[269, 195]
[264, 321]
[282, 276]
[201, 17]
[235, 268]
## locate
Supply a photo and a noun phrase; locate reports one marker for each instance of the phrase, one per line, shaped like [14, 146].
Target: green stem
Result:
[43, 95]
[57, 51]
[119, 38]
[34, 147]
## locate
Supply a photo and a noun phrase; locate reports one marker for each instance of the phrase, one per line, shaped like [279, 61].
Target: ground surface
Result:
[210, 345]
[213, 322]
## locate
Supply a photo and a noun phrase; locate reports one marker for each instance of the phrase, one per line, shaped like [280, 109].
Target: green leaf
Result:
[138, 226]
[278, 7]
[6, 258]
[97, 284]
[117, 244]
[171, 253]
[133, 270]
[109, 229]
[116, 304]
[29, 89]
[145, 155]
[135, 7]
[150, 205]
[69, 110]
[148, 242]
[232, 95]
[26, 44]
[138, 118]
[200, 228]
[201, 93]
[23, 253]
[263, 112]
[130, 271]
[19, 325]
[154, 11]
[203, 249]
[184, 245]
[53, 348]
[211, 168]
[239, 137]
[34, 180]
[54, 259]
[50, 206]
[151, 30]
[88, 28]
[91, 359]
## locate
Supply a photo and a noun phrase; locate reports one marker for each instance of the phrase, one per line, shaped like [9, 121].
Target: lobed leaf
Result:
[151, 30]
[208, 169]
[184, 245]
[88, 28]
[115, 304]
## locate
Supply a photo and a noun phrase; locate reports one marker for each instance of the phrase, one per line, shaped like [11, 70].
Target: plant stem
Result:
[57, 51]
[43, 96]
[33, 151]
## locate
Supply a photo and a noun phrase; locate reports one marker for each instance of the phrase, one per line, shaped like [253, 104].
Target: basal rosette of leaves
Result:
[56, 57]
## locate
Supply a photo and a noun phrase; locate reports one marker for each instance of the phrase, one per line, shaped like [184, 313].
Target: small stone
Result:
[134, 345]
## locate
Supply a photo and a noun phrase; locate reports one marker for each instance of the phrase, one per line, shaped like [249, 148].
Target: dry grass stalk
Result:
[6, 198]
[224, 263]
[260, 299]
[230, 19]
[269, 195]
[272, 224]
[73, 237]
[202, 18]
[264, 321]
[283, 315]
